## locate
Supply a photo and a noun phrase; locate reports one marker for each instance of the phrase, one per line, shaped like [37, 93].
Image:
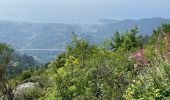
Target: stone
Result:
[26, 91]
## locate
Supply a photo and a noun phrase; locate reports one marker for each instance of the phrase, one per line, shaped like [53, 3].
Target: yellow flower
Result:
[75, 61]
[134, 81]
[70, 57]
[61, 71]
[72, 88]
[66, 64]
[157, 90]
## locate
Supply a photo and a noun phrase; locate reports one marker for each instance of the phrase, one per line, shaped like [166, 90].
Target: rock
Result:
[27, 91]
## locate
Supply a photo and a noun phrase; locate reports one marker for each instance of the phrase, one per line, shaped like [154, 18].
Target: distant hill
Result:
[22, 35]
[21, 62]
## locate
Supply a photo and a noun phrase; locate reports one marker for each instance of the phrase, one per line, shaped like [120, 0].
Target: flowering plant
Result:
[139, 57]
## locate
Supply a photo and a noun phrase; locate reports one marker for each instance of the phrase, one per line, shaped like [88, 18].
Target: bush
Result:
[152, 84]
[26, 74]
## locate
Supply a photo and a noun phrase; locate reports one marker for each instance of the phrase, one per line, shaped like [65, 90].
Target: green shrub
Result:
[152, 84]
[25, 75]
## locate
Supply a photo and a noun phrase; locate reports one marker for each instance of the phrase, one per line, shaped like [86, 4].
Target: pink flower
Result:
[139, 57]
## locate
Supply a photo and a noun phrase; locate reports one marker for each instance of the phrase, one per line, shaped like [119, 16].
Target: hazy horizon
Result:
[81, 11]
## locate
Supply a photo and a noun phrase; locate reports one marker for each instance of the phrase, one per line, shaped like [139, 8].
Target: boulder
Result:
[27, 91]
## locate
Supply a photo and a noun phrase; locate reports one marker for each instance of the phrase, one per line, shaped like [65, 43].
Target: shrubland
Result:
[125, 68]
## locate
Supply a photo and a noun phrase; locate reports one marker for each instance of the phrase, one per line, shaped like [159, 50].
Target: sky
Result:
[81, 11]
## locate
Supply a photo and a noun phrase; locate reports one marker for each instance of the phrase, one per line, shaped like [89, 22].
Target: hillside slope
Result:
[22, 35]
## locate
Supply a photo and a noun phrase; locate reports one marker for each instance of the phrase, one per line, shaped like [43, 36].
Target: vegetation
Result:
[128, 69]
[5, 58]
[130, 40]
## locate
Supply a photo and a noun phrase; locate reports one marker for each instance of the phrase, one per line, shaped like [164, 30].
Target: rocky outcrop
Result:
[27, 91]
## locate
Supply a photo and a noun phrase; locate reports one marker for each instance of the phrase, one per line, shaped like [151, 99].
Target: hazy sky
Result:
[84, 11]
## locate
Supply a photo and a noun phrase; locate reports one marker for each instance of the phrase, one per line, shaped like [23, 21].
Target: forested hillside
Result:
[124, 68]
[24, 35]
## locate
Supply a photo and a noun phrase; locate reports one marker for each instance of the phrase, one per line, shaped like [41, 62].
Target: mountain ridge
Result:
[26, 35]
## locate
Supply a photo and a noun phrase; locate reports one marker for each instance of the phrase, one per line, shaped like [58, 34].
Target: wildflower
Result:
[139, 57]
[75, 61]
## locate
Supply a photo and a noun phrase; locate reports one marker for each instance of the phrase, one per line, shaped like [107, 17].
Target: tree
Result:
[5, 58]
[5, 53]
[116, 43]
[165, 27]
[159, 32]
[136, 38]
[128, 41]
